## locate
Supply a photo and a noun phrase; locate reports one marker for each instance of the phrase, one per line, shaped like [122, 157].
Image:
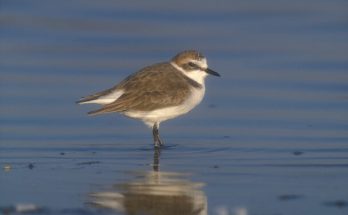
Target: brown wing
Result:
[154, 87]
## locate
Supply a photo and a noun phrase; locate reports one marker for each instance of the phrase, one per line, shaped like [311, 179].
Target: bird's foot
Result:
[158, 142]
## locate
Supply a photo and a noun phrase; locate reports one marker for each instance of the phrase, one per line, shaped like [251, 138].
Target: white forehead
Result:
[201, 63]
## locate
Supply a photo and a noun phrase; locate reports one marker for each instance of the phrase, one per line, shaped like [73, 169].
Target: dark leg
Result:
[156, 138]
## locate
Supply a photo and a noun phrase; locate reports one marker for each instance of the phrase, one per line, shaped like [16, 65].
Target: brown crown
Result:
[185, 56]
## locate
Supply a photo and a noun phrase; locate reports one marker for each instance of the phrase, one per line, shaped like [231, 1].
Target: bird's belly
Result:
[159, 115]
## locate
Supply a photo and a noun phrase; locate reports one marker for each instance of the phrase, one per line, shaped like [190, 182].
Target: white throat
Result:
[196, 75]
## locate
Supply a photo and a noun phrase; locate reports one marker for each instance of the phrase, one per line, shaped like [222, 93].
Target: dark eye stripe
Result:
[193, 65]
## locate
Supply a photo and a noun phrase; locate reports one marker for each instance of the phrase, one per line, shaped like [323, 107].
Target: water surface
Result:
[270, 137]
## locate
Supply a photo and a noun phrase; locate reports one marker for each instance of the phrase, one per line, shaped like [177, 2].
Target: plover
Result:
[158, 92]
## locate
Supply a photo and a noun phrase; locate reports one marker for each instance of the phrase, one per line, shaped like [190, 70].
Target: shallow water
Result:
[270, 137]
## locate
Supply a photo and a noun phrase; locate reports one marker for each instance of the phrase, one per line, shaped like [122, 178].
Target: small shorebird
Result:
[158, 92]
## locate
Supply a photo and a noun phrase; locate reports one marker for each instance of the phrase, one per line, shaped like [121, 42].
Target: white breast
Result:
[163, 114]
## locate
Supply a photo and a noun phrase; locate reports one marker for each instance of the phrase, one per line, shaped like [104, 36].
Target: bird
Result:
[158, 92]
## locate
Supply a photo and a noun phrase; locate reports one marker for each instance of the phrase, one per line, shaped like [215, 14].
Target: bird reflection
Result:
[154, 193]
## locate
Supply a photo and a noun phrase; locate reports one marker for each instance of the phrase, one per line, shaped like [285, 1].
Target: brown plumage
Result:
[143, 91]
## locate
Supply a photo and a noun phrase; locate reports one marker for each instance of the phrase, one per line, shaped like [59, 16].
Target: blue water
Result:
[270, 137]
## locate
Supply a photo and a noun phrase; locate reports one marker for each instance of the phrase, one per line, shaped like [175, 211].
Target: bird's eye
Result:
[192, 65]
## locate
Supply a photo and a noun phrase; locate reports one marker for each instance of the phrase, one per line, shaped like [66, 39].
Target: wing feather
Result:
[154, 87]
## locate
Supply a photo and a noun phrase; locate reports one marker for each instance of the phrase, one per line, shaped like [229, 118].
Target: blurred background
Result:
[272, 129]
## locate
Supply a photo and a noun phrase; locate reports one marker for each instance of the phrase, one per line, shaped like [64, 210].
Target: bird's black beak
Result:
[212, 72]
